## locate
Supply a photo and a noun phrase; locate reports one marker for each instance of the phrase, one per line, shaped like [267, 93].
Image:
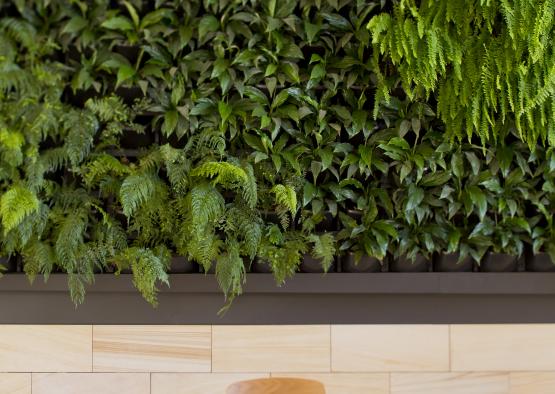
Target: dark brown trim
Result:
[305, 299]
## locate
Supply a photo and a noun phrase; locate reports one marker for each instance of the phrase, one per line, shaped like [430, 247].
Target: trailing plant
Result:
[489, 64]
[236, 132]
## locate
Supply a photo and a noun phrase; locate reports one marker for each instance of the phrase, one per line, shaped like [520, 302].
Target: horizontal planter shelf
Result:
[305, 299]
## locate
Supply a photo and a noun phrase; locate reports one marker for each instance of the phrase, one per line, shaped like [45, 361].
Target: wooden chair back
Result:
[277, 386]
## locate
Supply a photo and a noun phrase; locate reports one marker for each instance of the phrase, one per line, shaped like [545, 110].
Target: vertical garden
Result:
[233, 136]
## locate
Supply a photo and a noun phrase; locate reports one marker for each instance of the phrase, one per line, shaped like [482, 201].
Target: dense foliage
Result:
[235, 131]
[490, 62]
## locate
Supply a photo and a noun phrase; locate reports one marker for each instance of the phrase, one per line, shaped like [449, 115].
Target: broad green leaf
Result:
[415, 197]
[280, 98]
[457, 165]
[124, 73]
[132, 13]
[385, 227]
[225, 111]
[311, 31]
[208, 24]
[291, 70]
[309, 193]
[479, 199]
[337, 21]
[75, 25]
[152, 18]
[118, 23]
[474, 162]
[435, 179]
[170, 122]
[318, 71]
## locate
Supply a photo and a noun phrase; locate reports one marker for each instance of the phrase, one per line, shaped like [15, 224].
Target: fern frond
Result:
[101, 167]
[283, 255]
[148, 268]
[323, 248]
[230, 271]
[249, 188]
[16, 205]
[136, 190]
[70, 231]
[109, 109]
[80, 136]
[21, 31]
[76, 285]
[178, 167]
[243, 223]
[39, 259]
[207, 204]
[222, 173]
[287, 197]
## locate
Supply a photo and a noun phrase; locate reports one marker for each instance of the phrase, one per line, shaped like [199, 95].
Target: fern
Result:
[230, 176]
[70, 231]
[136, 189]
[148, 266]
[80, 136]
[284, 252]
[76, 284]
[178, 167]
[11, 144]
[39, 259]
[323, 248]
[243, 223]
[109, 109]
[27, 230]
[102, 168]
[207, 205]
[286, 200]
[222, 173]
[249, 189]
[21, 31]
[16, 205]
[504, 65]
[230, 272]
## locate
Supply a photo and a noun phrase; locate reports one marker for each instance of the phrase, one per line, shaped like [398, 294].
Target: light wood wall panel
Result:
[15, 383]
[197, 383]
[498, 347]
[91, 383]
[449, 383]
[271, 348]
[532, 382]
[27, 348]
[351, 383]
[347, 359]
[384, 348]
[152, 348]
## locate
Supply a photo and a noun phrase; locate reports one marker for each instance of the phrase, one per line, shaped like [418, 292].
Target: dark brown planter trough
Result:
[354, 298]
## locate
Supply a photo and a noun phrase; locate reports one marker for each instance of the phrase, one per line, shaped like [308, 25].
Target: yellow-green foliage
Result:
[491, 63]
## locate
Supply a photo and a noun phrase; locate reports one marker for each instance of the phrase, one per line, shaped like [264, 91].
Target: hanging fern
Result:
[230, 271]
[148, 267]
[323, 248]
[491, 64]
[283, 251]
[70, 230]
[40, 259]
[244, 226]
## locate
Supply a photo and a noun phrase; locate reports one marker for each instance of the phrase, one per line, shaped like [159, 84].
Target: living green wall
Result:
[239, 131]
